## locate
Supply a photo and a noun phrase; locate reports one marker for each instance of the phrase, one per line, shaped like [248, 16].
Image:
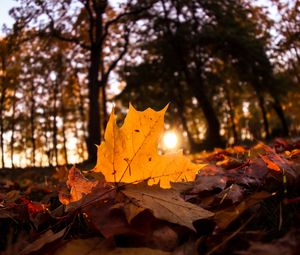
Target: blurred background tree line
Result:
[230, 71]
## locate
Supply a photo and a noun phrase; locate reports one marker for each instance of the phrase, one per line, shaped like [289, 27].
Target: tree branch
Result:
[122, 15]
[116, 61]
[57, 34]
[91, 20]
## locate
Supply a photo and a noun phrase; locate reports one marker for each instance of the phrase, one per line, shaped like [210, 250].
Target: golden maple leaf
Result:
[129, 153]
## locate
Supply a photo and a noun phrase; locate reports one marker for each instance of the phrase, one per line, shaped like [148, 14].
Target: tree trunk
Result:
[213, 125]
[80, 110]
[261, 103]
[279, 111]
[94, 129]
[63, 111]
[13, 127]
[47, 142]
[104, 108]
[32, 126]
[54, 124]
[232, 115]
[2, 99]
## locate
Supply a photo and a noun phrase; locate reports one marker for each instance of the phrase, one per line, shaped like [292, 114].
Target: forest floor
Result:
[249, 202]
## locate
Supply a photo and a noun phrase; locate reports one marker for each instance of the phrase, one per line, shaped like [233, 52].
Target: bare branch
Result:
[57, 34]
[74, 40]
[116, 61]
[122, 15]
[91, 20]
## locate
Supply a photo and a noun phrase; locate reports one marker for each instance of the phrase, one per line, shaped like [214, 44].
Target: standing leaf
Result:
[129, 154]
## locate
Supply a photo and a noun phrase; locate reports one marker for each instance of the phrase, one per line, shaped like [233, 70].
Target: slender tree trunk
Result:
[104, 108]
[213, 125]
[103, 84]
[2, 100]
[261, 103]
[81, 107]
[47, 142]
[54, 123]
[63, 111]
[279, 111]
[79, 144]
[13, 127]
[32, 123]
[232, 115]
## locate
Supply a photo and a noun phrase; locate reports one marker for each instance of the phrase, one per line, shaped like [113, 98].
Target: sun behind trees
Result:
[65, 63]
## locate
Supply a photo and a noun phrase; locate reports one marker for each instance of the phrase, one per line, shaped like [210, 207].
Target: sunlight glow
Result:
[245, 109]
[170, 140]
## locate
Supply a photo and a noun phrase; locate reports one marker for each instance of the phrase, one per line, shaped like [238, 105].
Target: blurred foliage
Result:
[230, 72]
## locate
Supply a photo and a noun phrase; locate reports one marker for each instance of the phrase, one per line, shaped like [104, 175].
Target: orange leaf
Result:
[129, 154]
[270, 164]
[78, 186]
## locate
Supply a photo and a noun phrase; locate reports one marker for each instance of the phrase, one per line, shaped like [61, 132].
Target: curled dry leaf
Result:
[270, 164]
[78, 186]
[166, 204]
[129, 154]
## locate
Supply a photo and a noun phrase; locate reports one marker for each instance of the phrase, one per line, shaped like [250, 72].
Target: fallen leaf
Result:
[42, 240]
[105, 217]
[234, 193]
[287, 245]
[294, 153]
[33, 208]
[91, 246]
[228, 215]
[78, 186]
[270, 164]
[166, 204]
[129, 154]
[209, 182]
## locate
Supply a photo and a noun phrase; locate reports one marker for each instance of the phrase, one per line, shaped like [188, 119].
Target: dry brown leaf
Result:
[78, 186]
[228, 215]
[45, 238]
[129, 154]
[106, 218]
[166, 204]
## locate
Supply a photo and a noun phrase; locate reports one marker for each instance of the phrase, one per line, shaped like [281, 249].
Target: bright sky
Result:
[6, 5]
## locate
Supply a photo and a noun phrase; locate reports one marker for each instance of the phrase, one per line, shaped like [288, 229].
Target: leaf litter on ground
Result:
[149, 203]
